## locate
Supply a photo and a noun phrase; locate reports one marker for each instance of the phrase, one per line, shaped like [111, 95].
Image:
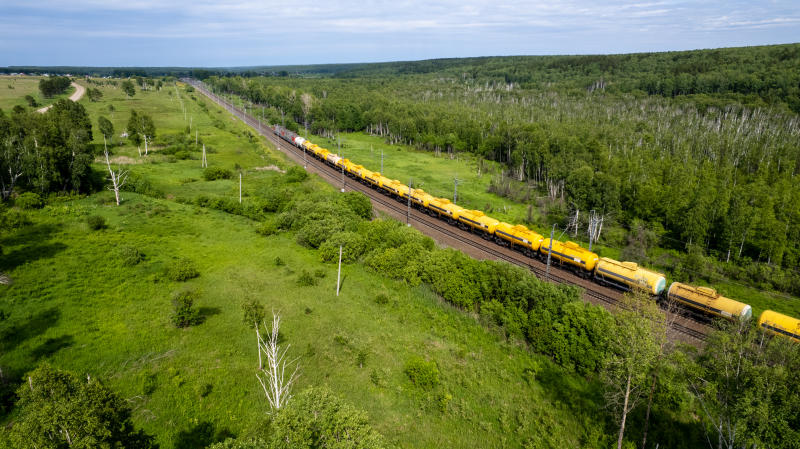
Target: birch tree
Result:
[141, 127]
[273, 377]
[118, 177]
[634, 348]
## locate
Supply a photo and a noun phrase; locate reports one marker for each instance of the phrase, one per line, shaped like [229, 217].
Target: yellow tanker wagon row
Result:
[568, 255]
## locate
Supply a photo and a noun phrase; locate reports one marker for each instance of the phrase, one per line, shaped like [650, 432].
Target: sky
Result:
[222, 33]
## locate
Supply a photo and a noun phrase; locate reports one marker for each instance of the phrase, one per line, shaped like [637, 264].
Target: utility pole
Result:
[408, 212]
[455, 190]
[550, 250]
[339, 273]
[574, 222]
[344, 179]
[204, 162]
[240, 187]
[195, 136]
[381, 160]
[592, 224]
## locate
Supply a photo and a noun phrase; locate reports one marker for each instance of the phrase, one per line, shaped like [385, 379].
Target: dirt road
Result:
[79, 91]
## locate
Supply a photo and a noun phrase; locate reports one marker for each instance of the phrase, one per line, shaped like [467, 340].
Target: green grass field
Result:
[75, 305]
[14, 88]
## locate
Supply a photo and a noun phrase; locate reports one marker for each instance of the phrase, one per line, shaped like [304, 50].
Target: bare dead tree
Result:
[118, 178]
[277, 386]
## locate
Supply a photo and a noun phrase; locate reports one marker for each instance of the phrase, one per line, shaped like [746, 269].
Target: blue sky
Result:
[245, 33]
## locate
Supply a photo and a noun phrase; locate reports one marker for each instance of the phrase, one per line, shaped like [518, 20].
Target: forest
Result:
[696, 150]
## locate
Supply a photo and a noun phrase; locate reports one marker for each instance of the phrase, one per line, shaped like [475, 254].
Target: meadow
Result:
[13, 90]
[75, 303]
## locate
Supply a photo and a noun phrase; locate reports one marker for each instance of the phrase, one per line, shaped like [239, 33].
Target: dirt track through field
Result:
[79, 91]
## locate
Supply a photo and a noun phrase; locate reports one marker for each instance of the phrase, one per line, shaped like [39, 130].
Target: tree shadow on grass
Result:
[576, 393]
[35, 324]
[36, 246]
[52, 345]
[201, 435]
[206, 312]
[13, 336]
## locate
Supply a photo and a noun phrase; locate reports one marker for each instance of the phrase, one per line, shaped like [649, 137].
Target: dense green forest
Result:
[697, 149]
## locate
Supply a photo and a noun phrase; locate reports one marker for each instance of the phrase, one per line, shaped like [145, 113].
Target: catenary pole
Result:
[550, 250]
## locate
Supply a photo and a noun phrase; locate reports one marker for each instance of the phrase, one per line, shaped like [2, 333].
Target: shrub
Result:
[314, 233]
[130, 256]
[361, 357]
[353, 247]
[214, 173]
[317, 418]
[305, 279]
[382, 299]
[13, 219]
[29, 200]
[401, 263]
[296, 173]
[96, 222]
[139, 184]
[422, 373]
[442, 400]
[267, 228]
[183, 312]
[358, 203]
[279, 262]
[181, 270]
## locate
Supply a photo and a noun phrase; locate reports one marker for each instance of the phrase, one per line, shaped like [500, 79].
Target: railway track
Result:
[681, 327]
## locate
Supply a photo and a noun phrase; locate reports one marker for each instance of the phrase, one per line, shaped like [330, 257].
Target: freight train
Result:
[569, 255]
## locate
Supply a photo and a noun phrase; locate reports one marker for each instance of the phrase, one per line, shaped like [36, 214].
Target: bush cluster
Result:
[96, 222]
[422, 373]
[183, 312]
[139, 184]
[130, 256]
[551, 318]
[214, 173]
[305, 279]
[29, 200]
[181, 270]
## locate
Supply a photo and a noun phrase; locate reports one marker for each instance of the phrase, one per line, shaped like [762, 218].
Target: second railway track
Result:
[681, 329]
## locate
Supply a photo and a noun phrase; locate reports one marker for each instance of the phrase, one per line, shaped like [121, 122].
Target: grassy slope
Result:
[25, 85]
[435, 174]
[75, 305]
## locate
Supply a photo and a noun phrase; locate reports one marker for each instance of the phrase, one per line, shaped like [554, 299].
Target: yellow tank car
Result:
[476, 219]
[443, 207]
[346, 164]
[361, 172]
[396, 188]
[779, 324]
[518, 235]
[708, 300]
[572, 254]
[421, 198]
[629, 275]
[374, 178]
[321, 153]
[308, 146]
